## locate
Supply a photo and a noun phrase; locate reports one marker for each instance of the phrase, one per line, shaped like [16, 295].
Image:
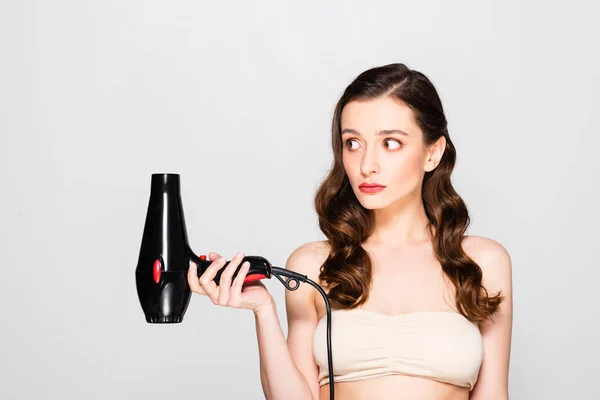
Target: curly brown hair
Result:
[347, 271]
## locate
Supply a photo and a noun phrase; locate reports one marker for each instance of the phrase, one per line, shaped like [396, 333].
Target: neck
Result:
[401, 224]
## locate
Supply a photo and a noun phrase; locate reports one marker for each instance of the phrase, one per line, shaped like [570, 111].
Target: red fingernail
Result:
[203, 257]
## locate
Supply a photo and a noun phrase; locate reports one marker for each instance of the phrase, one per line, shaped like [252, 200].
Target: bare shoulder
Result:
[493, 258]
[308, 258]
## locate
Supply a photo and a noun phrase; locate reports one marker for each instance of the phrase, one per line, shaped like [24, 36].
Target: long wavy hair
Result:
[347, 272]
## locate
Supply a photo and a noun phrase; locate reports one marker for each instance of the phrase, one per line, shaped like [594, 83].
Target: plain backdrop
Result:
[237, 98]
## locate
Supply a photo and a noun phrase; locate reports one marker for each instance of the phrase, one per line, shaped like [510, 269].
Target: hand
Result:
[252, 295]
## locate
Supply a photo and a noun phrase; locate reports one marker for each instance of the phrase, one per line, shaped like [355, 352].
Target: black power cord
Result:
[295, 277]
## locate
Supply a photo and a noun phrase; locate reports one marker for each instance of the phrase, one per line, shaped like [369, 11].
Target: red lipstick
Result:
[372, 187]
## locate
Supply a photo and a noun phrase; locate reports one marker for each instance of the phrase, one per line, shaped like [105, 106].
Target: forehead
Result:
[369, 116]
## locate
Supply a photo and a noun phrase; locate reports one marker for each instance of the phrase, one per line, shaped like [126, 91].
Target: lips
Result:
[371, 187]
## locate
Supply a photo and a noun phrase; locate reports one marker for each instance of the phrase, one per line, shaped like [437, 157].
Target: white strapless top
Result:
[439, 345]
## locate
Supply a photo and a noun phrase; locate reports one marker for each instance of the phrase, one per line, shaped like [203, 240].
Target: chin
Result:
[372, 203]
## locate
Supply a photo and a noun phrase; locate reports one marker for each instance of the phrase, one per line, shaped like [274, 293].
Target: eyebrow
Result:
[380, 133]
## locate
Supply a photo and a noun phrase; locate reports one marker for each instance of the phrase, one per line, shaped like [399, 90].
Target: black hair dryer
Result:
[161, 273]
[163, 263]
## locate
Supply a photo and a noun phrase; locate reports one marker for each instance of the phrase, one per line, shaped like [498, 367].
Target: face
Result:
[382, 144]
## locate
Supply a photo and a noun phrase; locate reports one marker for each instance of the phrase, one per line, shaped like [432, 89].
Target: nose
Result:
[369, 163]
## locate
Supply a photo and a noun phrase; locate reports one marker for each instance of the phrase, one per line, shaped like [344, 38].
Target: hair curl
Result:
[347, 224]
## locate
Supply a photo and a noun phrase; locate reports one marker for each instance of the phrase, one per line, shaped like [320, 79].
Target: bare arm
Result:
[280, 378]
[287, 369]
[492, 382]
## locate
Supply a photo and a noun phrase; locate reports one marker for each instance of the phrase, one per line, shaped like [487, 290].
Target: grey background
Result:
[237, 98]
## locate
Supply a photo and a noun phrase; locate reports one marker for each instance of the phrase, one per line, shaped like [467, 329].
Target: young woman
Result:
[419, 309]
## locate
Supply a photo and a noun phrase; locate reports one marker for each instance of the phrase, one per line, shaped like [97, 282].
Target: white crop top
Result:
[439, 345]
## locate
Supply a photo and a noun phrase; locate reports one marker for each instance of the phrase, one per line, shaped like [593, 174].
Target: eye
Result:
[348, 142]
[397, 143]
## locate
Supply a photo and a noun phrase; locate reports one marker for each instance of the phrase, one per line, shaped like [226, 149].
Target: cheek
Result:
[406, 171]
[351, 168]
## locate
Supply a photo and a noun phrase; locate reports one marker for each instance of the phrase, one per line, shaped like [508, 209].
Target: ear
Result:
[434, 154]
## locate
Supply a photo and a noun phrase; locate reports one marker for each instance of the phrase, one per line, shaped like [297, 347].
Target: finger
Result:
[196, 286]
[225, 280]
[206, 279]
[235, 297]
[192, 278]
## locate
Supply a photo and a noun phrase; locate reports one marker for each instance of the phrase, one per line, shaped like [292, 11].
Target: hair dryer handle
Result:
[260, 268]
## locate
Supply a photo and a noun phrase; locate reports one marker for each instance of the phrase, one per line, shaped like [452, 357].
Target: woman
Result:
[419, 309]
